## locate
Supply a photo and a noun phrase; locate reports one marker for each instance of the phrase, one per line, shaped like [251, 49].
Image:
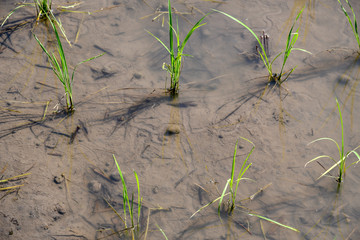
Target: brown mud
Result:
[182, 147]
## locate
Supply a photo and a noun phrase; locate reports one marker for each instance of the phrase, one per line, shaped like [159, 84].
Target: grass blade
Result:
[160, 42]
[222, 195]
[233, 166]
[242, 170]
[7, 17]
[126, 200]
[163, 233]
[13, 178]
[353, 26]
[273, 221]
[331, 168]
[357, 155]
[208, 204]
[265, 59]
[139, 198]
[318, 157]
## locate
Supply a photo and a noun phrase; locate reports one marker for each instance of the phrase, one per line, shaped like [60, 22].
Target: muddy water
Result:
[180, 148]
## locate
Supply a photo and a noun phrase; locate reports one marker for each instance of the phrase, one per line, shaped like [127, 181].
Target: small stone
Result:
[58, 179]
[116, 3]
[137, 75]
[173, 129]
[155, 190]
[94, 186]
[115, 176]
[60, 208]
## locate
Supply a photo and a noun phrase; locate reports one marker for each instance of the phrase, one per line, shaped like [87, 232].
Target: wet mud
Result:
[181, 147]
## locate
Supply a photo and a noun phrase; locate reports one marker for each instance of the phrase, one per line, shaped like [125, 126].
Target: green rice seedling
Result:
[60, 68]
[233, 184]
[128, 205]
[11, 13]
[274, 222]
[163, 233]
[353, 23]
[43, 7]
[277, 78]
[343, 156]
[43, 12]
[176, 52]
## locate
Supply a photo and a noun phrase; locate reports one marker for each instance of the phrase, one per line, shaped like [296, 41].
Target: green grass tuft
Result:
[43, 12]
[43, 8]
[176, 52]
[60, 67]
[353, 23]
[232, 183]
[128, 205]
[277, 78]
[340, 163]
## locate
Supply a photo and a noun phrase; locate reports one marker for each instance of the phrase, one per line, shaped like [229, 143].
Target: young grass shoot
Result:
[233, 184]
[353, 23]
[343, 156]
[282, 76]
[128, 205]
[43, 7]
[43, 12]
[61, 69]
[176, 52]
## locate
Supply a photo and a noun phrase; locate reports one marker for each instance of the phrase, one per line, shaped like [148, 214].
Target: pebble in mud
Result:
[94, 186]
[172, 129]
[58, 179]
[115, 176]
[60, 208]
[155, 190]
[137, 75]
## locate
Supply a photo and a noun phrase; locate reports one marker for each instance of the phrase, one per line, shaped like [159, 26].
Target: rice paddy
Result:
[135, 162]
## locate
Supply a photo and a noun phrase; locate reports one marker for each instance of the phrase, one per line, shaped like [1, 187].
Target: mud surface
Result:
[181, 148]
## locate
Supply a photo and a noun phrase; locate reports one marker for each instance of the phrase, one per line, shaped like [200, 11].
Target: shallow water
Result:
[181, 148]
